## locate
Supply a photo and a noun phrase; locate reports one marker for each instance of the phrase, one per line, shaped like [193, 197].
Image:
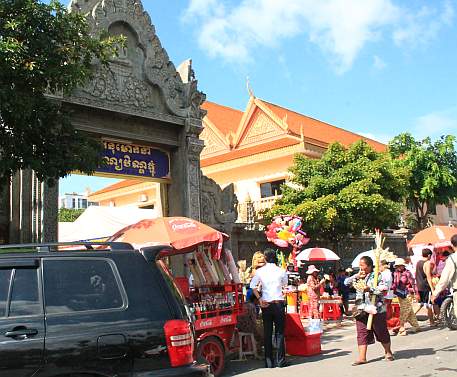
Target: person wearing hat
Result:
[314, 290]
[404, 286]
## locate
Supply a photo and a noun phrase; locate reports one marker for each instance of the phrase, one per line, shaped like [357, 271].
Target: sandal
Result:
[357, 363]
[402, 332]
[389, 358]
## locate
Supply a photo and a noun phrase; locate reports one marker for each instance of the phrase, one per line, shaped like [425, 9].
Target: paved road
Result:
[433, 352]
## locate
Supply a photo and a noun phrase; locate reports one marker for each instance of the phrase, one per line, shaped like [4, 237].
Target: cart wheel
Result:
[211, 351]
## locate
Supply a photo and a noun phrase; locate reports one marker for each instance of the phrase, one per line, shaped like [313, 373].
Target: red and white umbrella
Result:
[317, 254]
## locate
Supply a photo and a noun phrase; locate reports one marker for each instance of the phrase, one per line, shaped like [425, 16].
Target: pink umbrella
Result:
[317, 254]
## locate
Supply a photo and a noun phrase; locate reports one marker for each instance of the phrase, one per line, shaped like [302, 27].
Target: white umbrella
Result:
[369, 253]
[317, 254]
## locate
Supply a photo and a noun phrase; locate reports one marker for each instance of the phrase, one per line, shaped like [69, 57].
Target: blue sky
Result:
[376, 67]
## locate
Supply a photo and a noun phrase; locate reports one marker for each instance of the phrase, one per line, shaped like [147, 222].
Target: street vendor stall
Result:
[329, 305]
[302, 337]
[213, 291]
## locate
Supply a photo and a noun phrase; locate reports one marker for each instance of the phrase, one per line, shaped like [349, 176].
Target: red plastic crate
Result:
[309, 345]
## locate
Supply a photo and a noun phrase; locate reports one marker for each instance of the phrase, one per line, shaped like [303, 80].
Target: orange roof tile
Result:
[244, 152]
[317, 130]
[224, 118]
[116, 186]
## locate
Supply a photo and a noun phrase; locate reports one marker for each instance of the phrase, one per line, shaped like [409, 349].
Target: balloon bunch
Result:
[286, 230]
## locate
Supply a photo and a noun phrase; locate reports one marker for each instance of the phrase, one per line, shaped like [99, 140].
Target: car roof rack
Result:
[54, 246]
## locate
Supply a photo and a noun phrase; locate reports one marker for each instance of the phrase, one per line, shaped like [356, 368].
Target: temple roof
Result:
[116, 186]
[286, 126]
[318, 130]
[249, 151]
[225, 118]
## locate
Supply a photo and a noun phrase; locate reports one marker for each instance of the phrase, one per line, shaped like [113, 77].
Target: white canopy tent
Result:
[99, 223]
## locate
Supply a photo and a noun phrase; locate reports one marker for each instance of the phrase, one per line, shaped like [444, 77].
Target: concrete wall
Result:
[246, 242]
[446, 215]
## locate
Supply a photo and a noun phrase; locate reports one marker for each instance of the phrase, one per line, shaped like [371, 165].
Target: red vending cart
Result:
[214, 295]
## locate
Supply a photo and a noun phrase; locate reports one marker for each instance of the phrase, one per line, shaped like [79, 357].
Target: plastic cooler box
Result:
[298, 342]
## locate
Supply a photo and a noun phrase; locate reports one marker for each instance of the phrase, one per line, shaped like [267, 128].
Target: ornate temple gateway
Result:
[147, 114]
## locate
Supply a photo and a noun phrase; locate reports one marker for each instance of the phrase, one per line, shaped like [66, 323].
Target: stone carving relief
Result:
[118, 87]
[262, 127]
[142, 68]
[219, 207]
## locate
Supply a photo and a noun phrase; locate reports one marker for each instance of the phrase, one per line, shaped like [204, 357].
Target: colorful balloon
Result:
[280, 243]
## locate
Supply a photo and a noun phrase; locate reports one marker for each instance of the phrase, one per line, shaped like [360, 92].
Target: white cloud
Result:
[340, 28]
[436, 124]
[378, 63]
[422, 27]
[203, 8]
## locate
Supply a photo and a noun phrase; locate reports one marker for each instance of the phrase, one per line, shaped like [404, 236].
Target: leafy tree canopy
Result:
[346, 191]
[44, 49]
[69, 215]
[433, 167]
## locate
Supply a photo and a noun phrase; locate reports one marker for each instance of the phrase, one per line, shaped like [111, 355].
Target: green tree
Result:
[433, 167]
[69, 215]
[45, 51]
[345, 192]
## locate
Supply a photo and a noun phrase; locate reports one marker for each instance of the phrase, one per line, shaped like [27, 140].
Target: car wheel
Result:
[211, 351]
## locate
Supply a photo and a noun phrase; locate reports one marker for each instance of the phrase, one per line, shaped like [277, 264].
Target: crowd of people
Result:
[425, 283]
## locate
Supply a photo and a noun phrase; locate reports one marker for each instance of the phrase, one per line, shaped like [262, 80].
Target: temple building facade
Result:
[254, 148]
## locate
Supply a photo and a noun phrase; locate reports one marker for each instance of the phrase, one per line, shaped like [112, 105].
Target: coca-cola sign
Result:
[183, 225]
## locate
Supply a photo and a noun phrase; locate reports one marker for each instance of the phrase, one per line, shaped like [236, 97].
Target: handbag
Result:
[401, 293]
[359, 314]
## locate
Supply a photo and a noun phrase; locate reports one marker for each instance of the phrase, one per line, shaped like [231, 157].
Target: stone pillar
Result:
[26, 207]
[177, 192]
[50, 212]
[195, 147]
[4, 212]
[184, 192]
[163, 187]
[15, 209]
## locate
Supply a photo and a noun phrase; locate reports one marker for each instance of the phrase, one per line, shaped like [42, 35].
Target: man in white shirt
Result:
[272, 280]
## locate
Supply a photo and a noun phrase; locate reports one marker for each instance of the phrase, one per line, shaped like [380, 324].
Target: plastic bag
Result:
[314, 326]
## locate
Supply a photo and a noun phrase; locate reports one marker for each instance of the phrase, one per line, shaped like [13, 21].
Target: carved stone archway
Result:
[140, 98]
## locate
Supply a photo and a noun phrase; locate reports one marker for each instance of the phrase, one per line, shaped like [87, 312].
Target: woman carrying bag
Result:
[403, 287]
[363, 282]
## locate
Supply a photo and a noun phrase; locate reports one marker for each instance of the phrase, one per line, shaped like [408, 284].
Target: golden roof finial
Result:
[248, 86]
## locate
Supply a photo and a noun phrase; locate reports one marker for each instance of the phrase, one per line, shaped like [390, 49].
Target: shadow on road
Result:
[414, 353]
[237, 367]
[330, 338]
[446, 369]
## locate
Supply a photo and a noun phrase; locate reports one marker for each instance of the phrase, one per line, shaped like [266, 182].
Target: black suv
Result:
[104, 311]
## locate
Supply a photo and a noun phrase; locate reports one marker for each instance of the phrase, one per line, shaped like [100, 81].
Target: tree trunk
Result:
[421, 209]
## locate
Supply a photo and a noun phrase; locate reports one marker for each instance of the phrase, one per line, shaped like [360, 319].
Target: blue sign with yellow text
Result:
[134, 161]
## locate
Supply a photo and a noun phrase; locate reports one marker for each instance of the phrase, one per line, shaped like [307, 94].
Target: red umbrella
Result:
[438, 236]
[181, 233]
[317, 254]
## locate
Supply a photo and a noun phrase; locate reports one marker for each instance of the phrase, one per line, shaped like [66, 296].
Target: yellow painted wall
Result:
[248, 178]
[132, 198]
